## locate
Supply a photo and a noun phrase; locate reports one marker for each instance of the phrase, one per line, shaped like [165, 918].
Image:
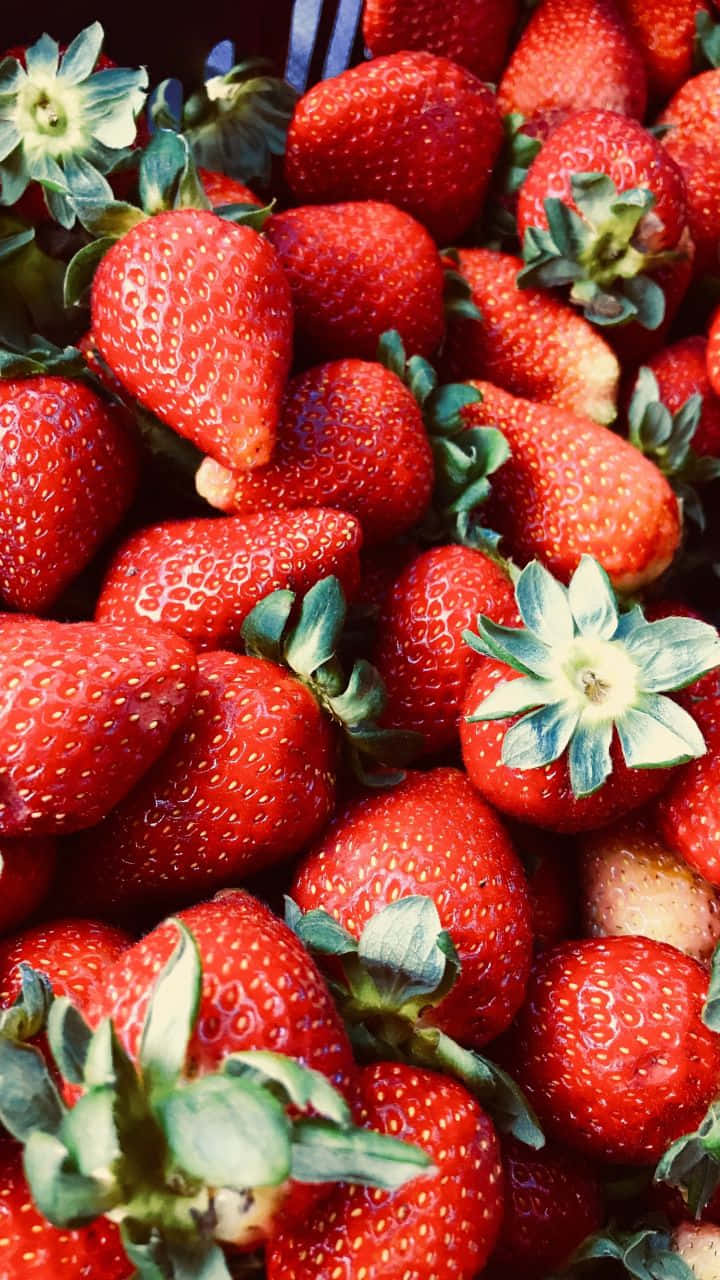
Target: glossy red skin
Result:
[248, 780]
[700, 168]
[694, 111]
[611, 1047]
[552, 1202]
[74, 953]
[713, 353]
[26, 872]
[68, 472]
[528, 341]
[193, 315]
[681, 371]
[351, 437]
[689, 815]
[432, 835]
[572, 487]
[474, 35]
[409, 128]
[664, 31]
[440, 1224]
[89, 708]
[356, 270]
[420, 653]
[575, 57]
[201, 578]
[543, 796]
[221, 189]
[33, 1249]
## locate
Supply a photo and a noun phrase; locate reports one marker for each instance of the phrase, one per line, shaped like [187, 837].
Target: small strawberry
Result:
[689, 815]
[201, 578]
[665, 33]
[356, 270]
[443, 1224]
[602, 736]
[528, 342]
[193, 315]
[221, 190]
[26, 873]
[694, 111]
[87, 710]
[410, 128]
[571, 487]
[74, 954]
[575, 57]
[474, 35]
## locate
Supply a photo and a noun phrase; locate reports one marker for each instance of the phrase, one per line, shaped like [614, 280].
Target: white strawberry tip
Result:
[589, 672]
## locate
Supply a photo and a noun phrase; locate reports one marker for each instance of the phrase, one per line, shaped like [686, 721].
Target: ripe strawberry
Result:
[420, 653]
[571, 487]
[74, 954]
[356, 270]
[443, 1224]
[549, 864]
[26, 872]
[633, 884]
[528, 342]
[87, 710]
[409, 128]
[474, 35]
[575, 57]
[681, 372]
[68, 470]
[664, 31]
[193, 315]
[432, 835]
[221, 189]
[694, 111]
[713, 353]
[612, 1049]
[696, 158]
[689, 815]
[351, 436]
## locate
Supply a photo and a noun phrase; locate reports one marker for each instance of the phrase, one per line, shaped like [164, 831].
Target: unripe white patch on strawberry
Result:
[245, 1218]
[699, 1246]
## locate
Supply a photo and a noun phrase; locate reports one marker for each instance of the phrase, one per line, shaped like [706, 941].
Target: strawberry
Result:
[690, 812]
[694, 111]
[74, 954]
[633, 884]
[602, 735]
[203, 577]
[571, 487]
[699, 1247]
[697, 160]
[528, 342]
[664, 31]
[410, 128]
[68, 470]
[193, 315]
[351, 436]
[88, 708]
[26, 873]
[356, 270]
[575, 57]
[713, 353]
[473, 35]
[551, 881]
[220, 189]
[681, 372]
[433, 1228]
[611, 1047]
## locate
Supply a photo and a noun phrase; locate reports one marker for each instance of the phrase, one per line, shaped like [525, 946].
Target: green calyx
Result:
[589, 672]
[64, 124]
[29, 1012]
[667, 438]
[464, 457]
[306, 636]
[182, 1165]
[401, 968]
[706, 46]
[645, 1253]
[518, 152]
[603, 252]
[693, 1162]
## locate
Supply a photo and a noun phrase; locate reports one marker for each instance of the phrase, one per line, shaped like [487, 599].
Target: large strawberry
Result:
[68, 468]
[409, 128]
[193, 315]
[26, 872]
[475, 35]
[690, 812]
[597, 734]
[87, 710]
[665, 32]
[445, 1223]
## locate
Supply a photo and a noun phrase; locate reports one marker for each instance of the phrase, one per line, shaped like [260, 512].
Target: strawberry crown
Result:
[64, 124]
[589, 672]
[706, 47]
[645, 1253]
[402, 966]
[174, 1160]
[667, 438]
[602, 252]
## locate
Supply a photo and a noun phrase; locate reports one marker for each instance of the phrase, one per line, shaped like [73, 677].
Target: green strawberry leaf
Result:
[645, 1253]
[706, 45]
[28, 1014]
[89, 1131]
[711, 1008]
[693, 1162]
[589, 757]
[29, 1101]
[69, 1037]
[319, 931]
[80, 271]
[64, 1196]
[171, 1015]
[290, 1082]
[324, 1153]
[409, 956]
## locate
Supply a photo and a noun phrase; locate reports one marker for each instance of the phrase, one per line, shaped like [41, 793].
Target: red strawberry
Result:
[420, 653]
[74, 954]
[356, 270]
[713, 353]
[68, 470]
[699, 165]
[221, 189]
[552, 883]
[681, 372]
[202, 577]
[571, 487]
[689, 815]
[431, 835]
[409, 128]
[193, 315]
[88, 708]
[612, 1049]
[528, 342]
[26, 872]
[445, 1223]
[664, 31]
[575, 57]
[694, 111]
[474, 35]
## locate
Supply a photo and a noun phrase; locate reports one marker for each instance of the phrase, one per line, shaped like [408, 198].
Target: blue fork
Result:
[305, 25]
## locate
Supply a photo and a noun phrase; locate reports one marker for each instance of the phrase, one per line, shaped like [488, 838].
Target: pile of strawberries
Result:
[359, 672]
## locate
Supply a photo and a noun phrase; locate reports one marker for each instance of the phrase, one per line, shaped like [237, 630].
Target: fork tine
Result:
[304, 27]
[343, 37]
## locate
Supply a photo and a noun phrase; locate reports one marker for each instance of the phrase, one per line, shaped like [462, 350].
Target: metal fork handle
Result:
[304, 28]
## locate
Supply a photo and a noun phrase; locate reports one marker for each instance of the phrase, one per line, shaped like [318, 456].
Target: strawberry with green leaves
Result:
[567, 723]
[73, 954]
[688, 815]
[474, 35]
[681, 373]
